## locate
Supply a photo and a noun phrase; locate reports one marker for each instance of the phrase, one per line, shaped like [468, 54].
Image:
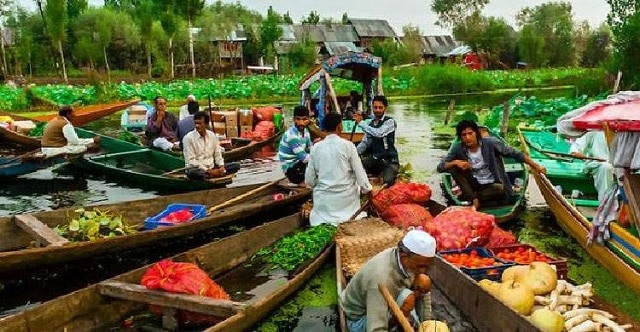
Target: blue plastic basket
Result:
[154, 222]
[493, 273]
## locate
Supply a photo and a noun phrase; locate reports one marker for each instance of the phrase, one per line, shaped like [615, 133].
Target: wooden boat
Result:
[81, 116]
[231, 204]
[475, 304]
[245, 151]
[141, 166]
[13, 166]
[621, 253]
[107, 304]
[361, 67]
[515, 171]
[134, 118]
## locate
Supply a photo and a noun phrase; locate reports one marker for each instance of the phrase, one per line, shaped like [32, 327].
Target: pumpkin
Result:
[540, 277]
[490, 286]
[433, 326]
[547, 320]
[517, 296]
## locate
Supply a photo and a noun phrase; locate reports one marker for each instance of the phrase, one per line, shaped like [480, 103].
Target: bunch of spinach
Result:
[292, 251]
[91, 225]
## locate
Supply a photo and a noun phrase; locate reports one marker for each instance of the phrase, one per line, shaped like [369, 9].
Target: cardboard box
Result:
[220, 128]
[218, 116]
[232, 131]
[245, 118]
[244, 130]
[24, 127]
[231, 118]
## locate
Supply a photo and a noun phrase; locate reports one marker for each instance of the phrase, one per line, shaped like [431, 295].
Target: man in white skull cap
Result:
[184, 109]
[363, 304]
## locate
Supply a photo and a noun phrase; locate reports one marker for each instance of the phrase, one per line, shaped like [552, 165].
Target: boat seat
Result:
[517, 167]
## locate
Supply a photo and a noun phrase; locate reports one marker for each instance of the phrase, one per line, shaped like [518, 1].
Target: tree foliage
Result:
[624, 20]
[312, 18]
[270, 32]
[597, 48]
[453, 12]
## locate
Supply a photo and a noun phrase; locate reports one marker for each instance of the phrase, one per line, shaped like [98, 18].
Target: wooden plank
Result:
[44, 235]
[194, 303]
[631, 184]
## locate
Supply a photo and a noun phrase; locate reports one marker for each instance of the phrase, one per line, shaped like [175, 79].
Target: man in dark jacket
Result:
[377, 149]
[162, 126]
[475, 163]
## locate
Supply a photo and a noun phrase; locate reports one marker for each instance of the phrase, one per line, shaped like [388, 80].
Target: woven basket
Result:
[360, 240]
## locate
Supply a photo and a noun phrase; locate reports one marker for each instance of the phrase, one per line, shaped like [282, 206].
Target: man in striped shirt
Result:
[295, 145]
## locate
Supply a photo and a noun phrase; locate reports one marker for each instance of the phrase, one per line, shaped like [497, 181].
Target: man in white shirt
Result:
[593, 144]
[184, 109]
[336, 175]
[202, 152]
[60, 137]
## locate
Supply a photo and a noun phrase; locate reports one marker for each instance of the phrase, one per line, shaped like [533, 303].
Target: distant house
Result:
[230, 52]
[369, 31]
[438, 47]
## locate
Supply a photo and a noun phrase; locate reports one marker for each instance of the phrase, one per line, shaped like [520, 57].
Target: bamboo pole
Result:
[334, 98]
[505, 119]
[380, 92]
[243, 196]
[447, 117]
[395, 309]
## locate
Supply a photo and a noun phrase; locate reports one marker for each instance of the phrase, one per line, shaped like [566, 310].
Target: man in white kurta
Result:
[594, 144]
[202, 152]
[336, 175]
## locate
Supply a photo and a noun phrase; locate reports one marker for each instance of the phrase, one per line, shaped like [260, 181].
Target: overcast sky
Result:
[402, 12]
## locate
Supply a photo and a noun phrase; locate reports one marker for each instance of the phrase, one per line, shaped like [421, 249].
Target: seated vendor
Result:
[60, 137]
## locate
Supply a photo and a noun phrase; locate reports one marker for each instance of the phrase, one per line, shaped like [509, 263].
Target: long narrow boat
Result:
[484, 311]
[245, 151]
[140, 166]
[503, 213]
[14, 166]
[621, 253]
[81, 116]
[18, 232]
[106, 305]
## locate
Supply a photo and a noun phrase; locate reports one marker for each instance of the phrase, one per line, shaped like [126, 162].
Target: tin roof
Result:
[325, 32]
[439, 45]
[372, 28]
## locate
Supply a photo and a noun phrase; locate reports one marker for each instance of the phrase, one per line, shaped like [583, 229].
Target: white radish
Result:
[575, 321]
[607, 322]
[576, 312]
[586, 326]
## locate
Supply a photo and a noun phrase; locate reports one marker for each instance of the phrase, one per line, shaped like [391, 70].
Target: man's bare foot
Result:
[476, 204]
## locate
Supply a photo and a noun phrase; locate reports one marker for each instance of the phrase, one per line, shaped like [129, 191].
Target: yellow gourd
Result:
[433, 326]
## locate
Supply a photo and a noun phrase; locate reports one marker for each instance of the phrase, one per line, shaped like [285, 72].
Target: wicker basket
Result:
[360, 240]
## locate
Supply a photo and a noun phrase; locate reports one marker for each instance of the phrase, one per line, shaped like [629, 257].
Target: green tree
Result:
[169, 22]
[56, 14]
[531, 46]
[76, 7]
[287, 18]
[412, 42]
[312, 18]
[624, 20]
[597, 48]
[269, 33]
[5, 8]
[145, 11]
[302, 54]
[345, 18]
[189, 10]
[453, 12]
[554, 22]
[499, 41]
[470, 30]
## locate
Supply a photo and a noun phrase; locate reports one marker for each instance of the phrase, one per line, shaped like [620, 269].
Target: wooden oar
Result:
[241, 197]
[568, 155]
[174, 171]
[395, 309]
[17, 158]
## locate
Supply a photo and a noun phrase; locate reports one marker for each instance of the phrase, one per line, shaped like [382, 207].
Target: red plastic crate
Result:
[559, 264]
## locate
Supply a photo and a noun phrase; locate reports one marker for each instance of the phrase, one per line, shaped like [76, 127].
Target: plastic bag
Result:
[402, 193]
[406, 215]
[459, 227]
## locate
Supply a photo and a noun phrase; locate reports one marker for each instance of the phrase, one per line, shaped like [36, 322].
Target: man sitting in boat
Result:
[294, 146]
[377, 149]
[60, 137]
[336, 175]
[396, 268]
[476, 165]
[185, 110]
[202, 152]
[162, 127]
[593, 144]
[186, 124]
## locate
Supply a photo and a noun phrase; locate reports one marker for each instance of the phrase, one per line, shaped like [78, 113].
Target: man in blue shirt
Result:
[295, 145]
[377, 149]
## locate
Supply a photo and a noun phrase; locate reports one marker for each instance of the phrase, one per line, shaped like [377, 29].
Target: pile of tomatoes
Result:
[522, 255]
[470, 260]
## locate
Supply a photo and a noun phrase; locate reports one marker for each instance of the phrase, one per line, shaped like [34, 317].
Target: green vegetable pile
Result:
[92, 225]
[292, 251]
[129, 137]
[38, 130]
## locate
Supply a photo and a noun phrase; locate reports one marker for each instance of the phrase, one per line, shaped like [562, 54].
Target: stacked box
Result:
[231, 121]
[220, 128]
[245, 118]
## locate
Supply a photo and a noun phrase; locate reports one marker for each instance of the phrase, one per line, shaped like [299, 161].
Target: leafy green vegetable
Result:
[292, 251]
[91, 225]
[129, 137]
[38, 130]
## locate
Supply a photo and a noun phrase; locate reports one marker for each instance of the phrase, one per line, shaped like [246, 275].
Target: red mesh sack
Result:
[458, 227]
[183, 278]
[402, 193]
[406, 215]
[264, 113]
[499, 237]
[263, 130]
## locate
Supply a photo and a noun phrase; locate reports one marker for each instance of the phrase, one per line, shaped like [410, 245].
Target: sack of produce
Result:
[263, 130]
[499, 237]
[406, 215]
[183, 278]
[402, 193]
[459, 227]
[264, 113]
